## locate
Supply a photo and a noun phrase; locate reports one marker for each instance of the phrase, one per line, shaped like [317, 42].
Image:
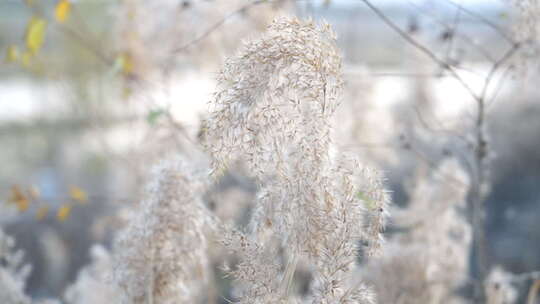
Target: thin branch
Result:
[488, 22]
[533, 275]
[426, 125]
[74, 35]
[456, 182]
[397, 74]
[500, 85]
[463, 36]
[479, 172]
[509, 53]
[421, 47]
[216, 25]
[453, 30]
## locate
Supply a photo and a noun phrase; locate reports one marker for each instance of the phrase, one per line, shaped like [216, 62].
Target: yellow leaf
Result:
[35, 34]
[126, 63]
[42, 212]
[63, 213]
[26, 59]
[34, 193]
[12, 53]
[62, 10]
[19, 199]
[78, 194]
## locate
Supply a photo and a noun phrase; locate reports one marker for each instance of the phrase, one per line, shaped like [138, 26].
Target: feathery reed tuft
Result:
[13, 272]
[161, 256]
[273, 109]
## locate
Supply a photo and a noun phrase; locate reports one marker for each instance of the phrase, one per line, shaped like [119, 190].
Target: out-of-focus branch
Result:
[466, 38]
[480, 156]
[421, 47]
[426, 126]
[533, 275]
[480, 177]
[499, 86]
[509, 53]
[89, 45]
[216, 25]
[484, 20]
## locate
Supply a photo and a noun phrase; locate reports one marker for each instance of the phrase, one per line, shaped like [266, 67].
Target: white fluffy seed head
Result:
[162, 254]
[275, 97]
[273, 109]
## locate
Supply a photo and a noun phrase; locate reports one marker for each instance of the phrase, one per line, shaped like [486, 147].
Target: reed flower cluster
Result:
[273, 110]
[316, 206]
[13, 272]
[161, 256]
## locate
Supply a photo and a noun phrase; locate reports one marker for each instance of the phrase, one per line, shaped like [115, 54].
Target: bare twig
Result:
[481, 49]
[397, 74]
[479, 179]
[426, 125]
[91, 47]
[499, 86]
[421, 47]
[453, 31]
[216, 25]
[533, 275]
[509, 53]
[486, 21]
[478, 166]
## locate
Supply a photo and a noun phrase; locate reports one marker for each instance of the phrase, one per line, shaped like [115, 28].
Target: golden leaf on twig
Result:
[78, 194]
[18, 198]
[12, 53]
[62, 10]
[63, 213]
[35, 34]
[42, 212]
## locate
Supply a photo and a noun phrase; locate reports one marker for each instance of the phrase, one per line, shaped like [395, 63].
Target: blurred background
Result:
[93, 93]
